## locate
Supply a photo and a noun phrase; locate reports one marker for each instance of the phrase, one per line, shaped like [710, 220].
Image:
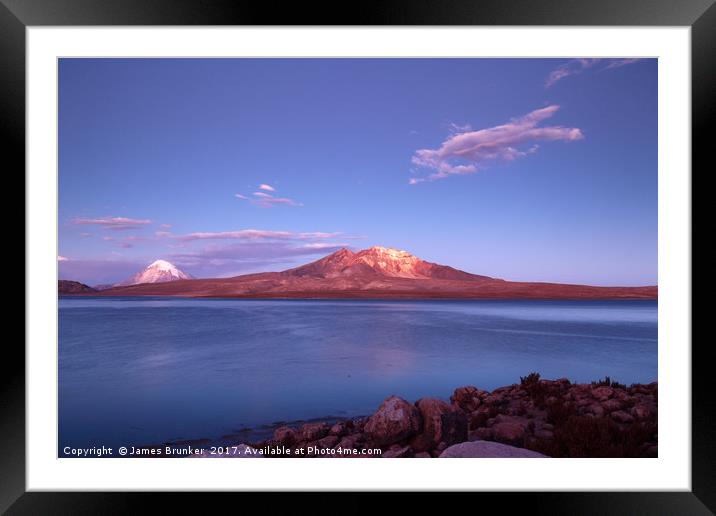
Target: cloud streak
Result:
[577, 66]
[467, 152]
[267, 200]
[115, 223]
[256, 234]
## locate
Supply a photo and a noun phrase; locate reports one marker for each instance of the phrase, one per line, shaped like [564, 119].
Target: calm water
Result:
[147, 370]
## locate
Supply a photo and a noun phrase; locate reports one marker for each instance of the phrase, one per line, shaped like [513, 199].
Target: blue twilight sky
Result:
[523, 169]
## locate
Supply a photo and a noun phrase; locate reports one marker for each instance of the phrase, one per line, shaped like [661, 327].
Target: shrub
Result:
[608, 382]
[584, 436]
[530, 379]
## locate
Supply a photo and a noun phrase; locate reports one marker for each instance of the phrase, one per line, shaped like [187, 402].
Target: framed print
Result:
[457, 238]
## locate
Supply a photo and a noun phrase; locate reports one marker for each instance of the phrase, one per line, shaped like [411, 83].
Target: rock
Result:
[509, 432]
[596, 409]
[348, 442]
[611, 405]
[467, 398]
[423, 455]
[396, 452]
[339, 429]
[481, 434]
[285, 435]
[641, 411]
[313, 431]
[395, 420]
[441, 423]
[327, 442]
[543, 433]
[621, 417]
[602, 393]
[487, 449]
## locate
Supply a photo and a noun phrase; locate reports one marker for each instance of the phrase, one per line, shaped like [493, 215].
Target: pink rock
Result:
[467, 398]
[313, 431]
[441, 423]
[487, 449]
[596, 409]
[327, 442]
[602, 393]
[338, 429]
[641, 411]
[611, 405]
[285, 435]
[509, 432]
[542, 433]
[395, 420]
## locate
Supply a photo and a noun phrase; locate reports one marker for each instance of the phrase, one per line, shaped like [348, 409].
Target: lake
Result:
[140, 371]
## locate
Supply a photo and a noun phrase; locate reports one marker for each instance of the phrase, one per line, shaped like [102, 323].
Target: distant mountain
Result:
[377, 272]
[73, 287]
[379, 262]
[160, 271]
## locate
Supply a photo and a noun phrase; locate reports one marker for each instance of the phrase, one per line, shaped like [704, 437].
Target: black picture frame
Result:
[17, 15]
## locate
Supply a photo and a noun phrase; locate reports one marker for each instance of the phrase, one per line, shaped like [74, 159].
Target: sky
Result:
[521, 169]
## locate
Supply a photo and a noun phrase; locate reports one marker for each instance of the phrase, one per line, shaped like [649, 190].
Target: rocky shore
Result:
[536, 417]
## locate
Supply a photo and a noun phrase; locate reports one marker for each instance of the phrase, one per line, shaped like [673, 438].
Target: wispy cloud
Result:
[577, 66]
[256, 234]
[62, 258]
[467, 152]
[116, 223]
[266, 200]
[238, 258]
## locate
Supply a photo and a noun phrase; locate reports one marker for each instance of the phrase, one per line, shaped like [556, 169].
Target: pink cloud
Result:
[577, 66]
[256, 234]
[117, 223]
[62, 259]
[266, 187]
[466, 152]
[265, 200]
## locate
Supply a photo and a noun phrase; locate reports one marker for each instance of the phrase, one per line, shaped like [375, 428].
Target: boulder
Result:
[441, 423]
[339, 429]
[394, 421]
[313, 431]
[611, 405]
[467, 398]
[327, 442]
[509, 432]
[285, 435]
[602, 393]
[641, 411]
[487, 449]
[596, 409]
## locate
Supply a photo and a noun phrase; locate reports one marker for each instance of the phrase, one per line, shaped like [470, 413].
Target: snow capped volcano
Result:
[159, 271]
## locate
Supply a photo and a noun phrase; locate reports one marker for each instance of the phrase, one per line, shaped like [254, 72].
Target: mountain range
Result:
[377, 272]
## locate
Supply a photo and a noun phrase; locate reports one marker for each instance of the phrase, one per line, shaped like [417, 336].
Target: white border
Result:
[671, 471]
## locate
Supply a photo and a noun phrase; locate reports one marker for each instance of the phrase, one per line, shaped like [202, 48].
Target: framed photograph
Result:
[457, 237]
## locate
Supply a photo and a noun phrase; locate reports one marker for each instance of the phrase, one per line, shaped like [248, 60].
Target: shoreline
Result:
[97, 295]
[532, 418]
